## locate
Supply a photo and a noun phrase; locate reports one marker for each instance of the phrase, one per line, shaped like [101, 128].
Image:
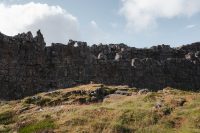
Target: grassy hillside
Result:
[97, 108]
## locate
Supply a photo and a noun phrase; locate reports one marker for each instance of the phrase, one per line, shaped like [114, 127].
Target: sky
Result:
[137, 23]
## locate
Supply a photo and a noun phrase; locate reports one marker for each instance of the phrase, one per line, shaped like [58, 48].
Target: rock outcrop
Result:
[28, 66]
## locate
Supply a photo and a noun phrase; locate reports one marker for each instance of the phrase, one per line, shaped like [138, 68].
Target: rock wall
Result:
[28, 66]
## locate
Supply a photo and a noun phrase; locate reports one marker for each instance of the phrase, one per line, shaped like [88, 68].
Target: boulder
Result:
[143, 91]
[190, 56]
[101, 56]
[120, 92]
[118, 56]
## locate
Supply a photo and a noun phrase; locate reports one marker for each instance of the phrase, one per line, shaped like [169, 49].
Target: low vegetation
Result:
[103, 109]
[6, 117]
[46, 125]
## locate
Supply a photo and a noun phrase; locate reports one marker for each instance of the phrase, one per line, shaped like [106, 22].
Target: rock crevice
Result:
[28, 66]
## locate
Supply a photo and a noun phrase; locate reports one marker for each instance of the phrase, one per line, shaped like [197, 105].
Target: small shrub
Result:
[43, 125]
[43, 102]
[150, 97]
[82, 100]
[4, 130]
[55, 102]
[110, 90]
[178, 102]
[47, 116]
[154, 119]
[127, 118]
[118, 128]
[32, 100]
[6, 118]
[76, 122]
[166, 110]
[169, 124]
[197, 122]
[99, 126]
[88, 99]
[37, 100]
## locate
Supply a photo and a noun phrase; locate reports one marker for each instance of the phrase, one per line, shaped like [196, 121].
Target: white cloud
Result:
[113, 25]
[94, 24]
[96, 34]
[143, 14]
[190, 26]
[56, 24]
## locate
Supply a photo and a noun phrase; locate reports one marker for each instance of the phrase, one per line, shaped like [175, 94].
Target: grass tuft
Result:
[40, 126]
[6, 118]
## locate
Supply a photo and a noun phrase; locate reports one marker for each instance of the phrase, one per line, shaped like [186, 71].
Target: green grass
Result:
[39, 126]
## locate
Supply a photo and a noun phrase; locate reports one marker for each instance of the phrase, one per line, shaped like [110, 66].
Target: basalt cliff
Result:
[28, 66]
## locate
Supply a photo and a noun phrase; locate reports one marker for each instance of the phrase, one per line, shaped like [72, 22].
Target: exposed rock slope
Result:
[28, 66]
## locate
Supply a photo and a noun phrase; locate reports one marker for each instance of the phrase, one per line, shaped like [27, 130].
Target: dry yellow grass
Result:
[165, 111]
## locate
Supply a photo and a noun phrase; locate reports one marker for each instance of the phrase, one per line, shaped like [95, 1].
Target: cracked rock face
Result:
[28, 66]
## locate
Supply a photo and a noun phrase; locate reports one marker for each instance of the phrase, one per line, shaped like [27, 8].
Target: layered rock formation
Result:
[28, 66]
